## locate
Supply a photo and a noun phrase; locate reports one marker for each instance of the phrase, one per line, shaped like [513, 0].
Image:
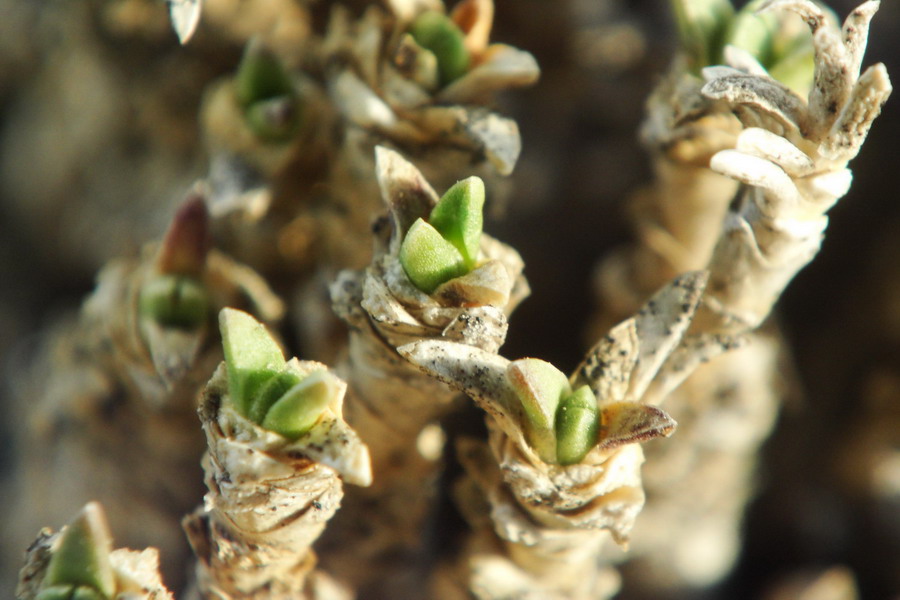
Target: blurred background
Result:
[98, 142]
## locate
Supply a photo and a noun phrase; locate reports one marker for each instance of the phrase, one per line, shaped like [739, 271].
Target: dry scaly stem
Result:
[270, 498]
[391, 402]
[794, 152]
[553, 521]
[792, 159]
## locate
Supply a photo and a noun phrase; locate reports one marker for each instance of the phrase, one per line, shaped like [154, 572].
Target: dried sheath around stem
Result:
[553, 519]
[792, 173]
[391, 402]
[270, 496]
[792, 160]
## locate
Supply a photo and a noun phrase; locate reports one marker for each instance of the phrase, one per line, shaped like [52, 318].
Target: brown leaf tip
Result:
[188, 239]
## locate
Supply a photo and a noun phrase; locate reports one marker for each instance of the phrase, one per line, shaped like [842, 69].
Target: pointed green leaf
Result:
[299, 409]
[439, 34]
[81, 556]
[458, 217]
[577, 425]
[540, 387]
[428, 259]
[174, 301]
[260, 75]
[269, 394]
[251, 355]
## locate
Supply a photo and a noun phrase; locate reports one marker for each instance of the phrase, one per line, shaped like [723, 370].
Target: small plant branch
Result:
[274, 486]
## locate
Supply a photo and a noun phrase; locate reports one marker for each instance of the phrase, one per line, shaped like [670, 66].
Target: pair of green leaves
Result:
[263, 386]
[266, 94]
[562, 425]
[707, 26]
[437, 33]
[446, 246]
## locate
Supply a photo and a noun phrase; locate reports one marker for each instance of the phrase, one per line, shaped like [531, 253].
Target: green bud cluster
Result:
[79, 566]
[172, 300]
[446, 246]
[438, 34]
[561, 425]
[707, 26]
[264, 387]
[266, 94]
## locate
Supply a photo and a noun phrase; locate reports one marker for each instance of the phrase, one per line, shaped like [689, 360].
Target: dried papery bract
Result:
[116, 388]
[270, 494]
[390, 402]
[79, 563]
[554, 520]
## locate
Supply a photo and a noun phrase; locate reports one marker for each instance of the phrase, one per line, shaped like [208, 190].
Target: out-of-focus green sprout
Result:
[438, 34]
[267, 95]
[263, 386]
[702, 25]
[79, 566]
[446, 246]
[780, 41]
[174, 296]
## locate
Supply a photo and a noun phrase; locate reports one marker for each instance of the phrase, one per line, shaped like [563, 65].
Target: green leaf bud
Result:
[269, 394]
[428, 259]
[252, 356]
[260, 76]
[577, 425]
[300, 408]
[174, 301]
[81, 555]
[439, 34]
[540, 387]
[458, 217]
